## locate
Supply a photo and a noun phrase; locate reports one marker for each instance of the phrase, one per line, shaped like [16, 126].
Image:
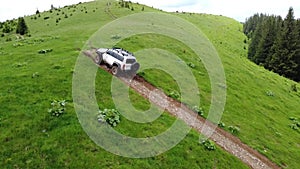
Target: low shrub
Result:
[36, 74]
[18, 44]
[294, 88]
[295, 124]
[116, 37]
[8, 39]
[57, 108]
[174, 94]
[57, 67]
[191, 65]
[19, 65]
[110, 116]
[221, 124]
[198, 110]
[270, 93]
[234, 129]
[209, 145]
[44, 51]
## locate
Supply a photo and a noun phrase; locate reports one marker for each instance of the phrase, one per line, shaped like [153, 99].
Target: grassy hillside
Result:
[260, 103]
[33, 138]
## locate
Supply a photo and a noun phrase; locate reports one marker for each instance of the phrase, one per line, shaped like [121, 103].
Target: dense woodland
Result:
[275, 43]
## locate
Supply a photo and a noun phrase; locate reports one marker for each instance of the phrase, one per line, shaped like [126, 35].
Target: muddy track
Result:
[224, 139]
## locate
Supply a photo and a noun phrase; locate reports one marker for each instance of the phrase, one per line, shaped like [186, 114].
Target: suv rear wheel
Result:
[115, 70]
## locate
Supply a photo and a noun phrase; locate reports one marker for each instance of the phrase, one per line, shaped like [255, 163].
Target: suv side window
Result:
[113, 54]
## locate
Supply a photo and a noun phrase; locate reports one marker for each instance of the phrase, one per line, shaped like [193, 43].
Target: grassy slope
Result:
[263, 119]
[32, 138]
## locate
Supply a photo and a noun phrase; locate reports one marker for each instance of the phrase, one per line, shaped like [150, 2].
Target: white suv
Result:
[119, 60]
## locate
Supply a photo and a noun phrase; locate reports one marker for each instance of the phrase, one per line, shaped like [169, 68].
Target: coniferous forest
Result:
[275, 43]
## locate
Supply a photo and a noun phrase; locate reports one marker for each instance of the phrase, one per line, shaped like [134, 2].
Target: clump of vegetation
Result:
[142, 73]
[57, 67]
[209, 145]
[57, 108]
[8, 39]
[294, 88]
[234, 129]
[44, 51]
[116, 37]
[221, 124]
[295, 124]
[18, 65]
[191, 65]
[174, 94]
[18, 44]
[270, 93]
[36, 74]
[6, 29]
[110, 116]
[198, 110]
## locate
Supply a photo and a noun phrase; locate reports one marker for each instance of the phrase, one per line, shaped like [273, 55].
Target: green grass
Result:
[32, 138]
[29, 82]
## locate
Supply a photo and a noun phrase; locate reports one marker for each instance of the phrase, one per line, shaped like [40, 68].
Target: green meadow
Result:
[261, 104]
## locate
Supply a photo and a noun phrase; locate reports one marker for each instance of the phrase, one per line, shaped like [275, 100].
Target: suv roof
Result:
[120, 54]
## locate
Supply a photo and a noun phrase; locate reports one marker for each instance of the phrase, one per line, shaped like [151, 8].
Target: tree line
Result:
[20, 26]
[275, 43]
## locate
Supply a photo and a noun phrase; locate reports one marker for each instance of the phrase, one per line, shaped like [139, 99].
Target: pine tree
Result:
[251, 24]
[277, 28]
[255, 40]
[297, 52]
[22, 28]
